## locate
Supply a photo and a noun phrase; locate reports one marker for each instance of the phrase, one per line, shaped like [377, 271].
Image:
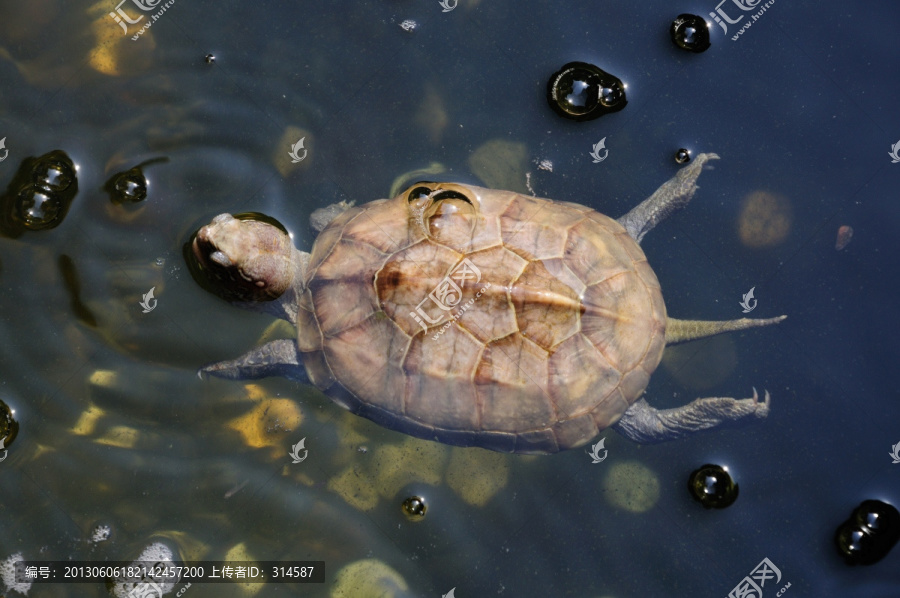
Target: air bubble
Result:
[414, 508]
[869, 535]
[712, 487]
[582, 91]
[52, 174]
[39, 195]
[9, 427]
[131, 185]
[683, 156]
[690, 32]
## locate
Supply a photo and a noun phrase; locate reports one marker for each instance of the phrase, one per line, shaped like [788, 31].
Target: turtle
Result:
[472, 316]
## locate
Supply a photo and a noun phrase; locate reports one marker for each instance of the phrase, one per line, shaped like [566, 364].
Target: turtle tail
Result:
[680, 331]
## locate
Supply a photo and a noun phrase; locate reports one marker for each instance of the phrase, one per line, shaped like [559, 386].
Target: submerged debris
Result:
[844, 234]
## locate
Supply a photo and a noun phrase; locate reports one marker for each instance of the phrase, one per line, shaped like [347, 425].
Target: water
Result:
[117, 430]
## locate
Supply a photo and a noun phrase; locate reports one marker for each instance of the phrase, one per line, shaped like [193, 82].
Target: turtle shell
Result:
[479, 317]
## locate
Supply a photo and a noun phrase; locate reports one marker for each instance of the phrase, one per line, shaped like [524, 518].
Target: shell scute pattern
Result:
[538, 321]
[341, 293]
[494, 319]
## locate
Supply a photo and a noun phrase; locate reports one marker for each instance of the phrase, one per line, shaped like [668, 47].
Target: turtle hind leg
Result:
[672, 195]
[644, 424]
[277, 358]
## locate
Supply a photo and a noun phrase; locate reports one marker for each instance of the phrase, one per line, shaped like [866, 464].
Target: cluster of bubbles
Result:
[39, 196]
[871, 532]
[582, 91]
[864, 539]
[41, 192]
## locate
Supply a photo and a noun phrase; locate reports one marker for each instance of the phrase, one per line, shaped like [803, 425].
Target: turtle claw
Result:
[758, 408]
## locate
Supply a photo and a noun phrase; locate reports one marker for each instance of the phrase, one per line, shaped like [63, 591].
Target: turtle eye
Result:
[417, 193]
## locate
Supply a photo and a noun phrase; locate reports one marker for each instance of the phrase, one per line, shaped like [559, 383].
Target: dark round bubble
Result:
[612, 97]
[52, 174]
[683, 156]
[690, 32]
[38, 210]
[9, 427]
[877, 516]
[581, 91]
[131, 185]
[209, 58]
[869, 534]
[414, 508]
[713, 487]
[853, 543]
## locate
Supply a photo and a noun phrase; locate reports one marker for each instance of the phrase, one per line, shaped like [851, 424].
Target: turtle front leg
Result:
[320, 218]
[646, 425]
[277, 358]
[672, 195]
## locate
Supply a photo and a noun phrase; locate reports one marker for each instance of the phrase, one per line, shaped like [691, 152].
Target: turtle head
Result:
[245, 257]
